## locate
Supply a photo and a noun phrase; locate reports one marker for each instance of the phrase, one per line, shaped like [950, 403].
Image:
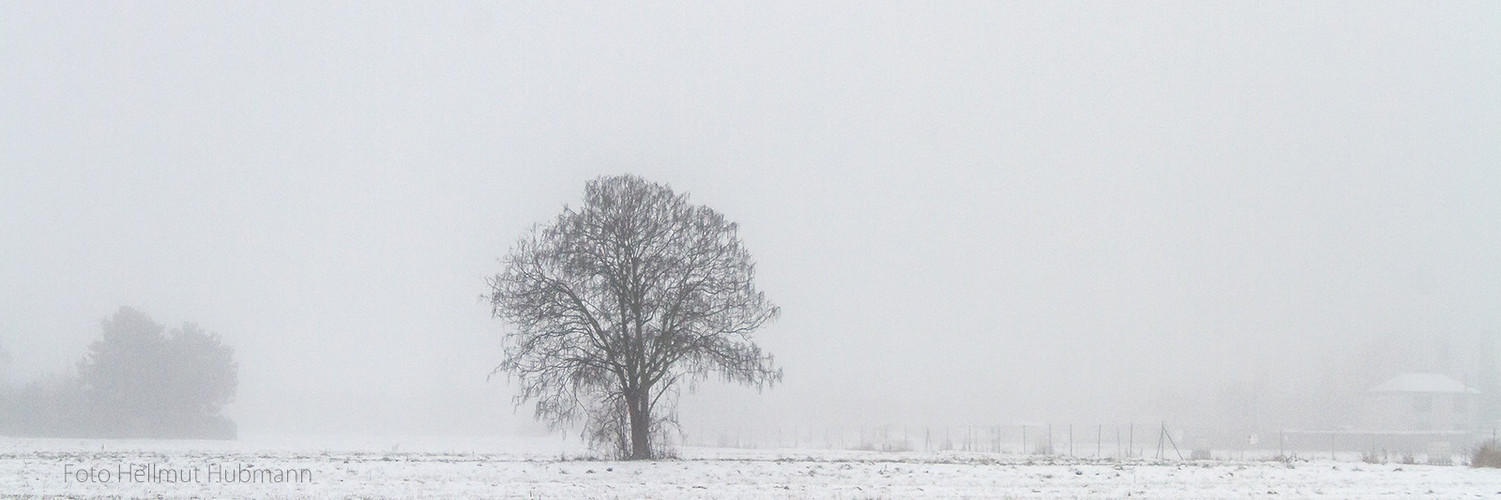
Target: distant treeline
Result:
[137, 381]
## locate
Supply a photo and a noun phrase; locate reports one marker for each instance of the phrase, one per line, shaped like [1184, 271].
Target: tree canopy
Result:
[141, 383]
[138, 380]
[616, 305]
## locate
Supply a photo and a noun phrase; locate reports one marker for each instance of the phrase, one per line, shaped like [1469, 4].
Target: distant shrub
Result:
[1201, 454]
[51, 406]
[1488, 454]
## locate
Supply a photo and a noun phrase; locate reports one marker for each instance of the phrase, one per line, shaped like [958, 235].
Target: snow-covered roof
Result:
[1424, 383]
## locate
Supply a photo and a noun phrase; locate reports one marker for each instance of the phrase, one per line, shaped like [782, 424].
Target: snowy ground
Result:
[469, 468]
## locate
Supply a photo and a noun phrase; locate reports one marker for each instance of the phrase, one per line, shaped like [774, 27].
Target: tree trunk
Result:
[640, 426]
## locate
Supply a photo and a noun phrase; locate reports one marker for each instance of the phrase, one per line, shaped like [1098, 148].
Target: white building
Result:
[1421, 402]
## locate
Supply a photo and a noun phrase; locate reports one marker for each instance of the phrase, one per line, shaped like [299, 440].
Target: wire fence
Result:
[1157, 440]
[1126, 440]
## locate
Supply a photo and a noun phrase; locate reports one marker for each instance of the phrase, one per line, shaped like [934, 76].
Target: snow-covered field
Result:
[477, 468]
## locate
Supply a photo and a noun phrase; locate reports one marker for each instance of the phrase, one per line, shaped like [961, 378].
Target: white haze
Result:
[970, 212]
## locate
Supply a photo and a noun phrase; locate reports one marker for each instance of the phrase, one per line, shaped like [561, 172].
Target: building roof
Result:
[1424, 383]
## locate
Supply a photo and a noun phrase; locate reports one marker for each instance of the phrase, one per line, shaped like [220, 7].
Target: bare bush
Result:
[1488, 454]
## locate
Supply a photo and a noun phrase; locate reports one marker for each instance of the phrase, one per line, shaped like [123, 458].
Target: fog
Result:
[970, 213]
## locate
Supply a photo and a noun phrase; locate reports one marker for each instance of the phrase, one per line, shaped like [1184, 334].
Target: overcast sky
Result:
[970, 212]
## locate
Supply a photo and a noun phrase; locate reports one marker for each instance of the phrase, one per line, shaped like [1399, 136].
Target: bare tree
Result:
[615, 306]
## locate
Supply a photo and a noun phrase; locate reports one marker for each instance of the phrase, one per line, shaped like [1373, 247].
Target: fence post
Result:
[1161, 433]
